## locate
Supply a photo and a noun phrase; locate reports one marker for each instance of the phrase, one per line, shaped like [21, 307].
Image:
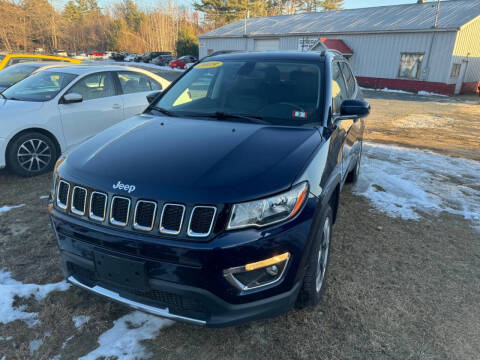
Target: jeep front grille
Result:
[201, 221]
[172, 219]
[98, 206]
[62, 194]
[144, 215]
[119, 210]
[115, 209]
[79, 200]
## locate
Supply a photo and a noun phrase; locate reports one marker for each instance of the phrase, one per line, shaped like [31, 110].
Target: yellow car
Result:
[11, 59]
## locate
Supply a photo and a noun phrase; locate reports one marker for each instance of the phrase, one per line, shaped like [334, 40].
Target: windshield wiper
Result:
[162, 110]
[3, 96]
[222, 115]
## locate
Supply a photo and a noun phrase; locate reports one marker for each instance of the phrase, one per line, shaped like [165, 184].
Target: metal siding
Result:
[378, 55]
[223, 44]
[467, 47]
[400, 18]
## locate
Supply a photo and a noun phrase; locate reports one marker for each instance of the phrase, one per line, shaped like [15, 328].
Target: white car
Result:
[56, 109]
[130, 58]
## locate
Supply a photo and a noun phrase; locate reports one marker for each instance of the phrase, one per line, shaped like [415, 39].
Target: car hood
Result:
[15, 106]
[192, 161]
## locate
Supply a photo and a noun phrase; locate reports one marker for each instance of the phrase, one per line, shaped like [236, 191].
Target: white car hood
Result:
[14, 106]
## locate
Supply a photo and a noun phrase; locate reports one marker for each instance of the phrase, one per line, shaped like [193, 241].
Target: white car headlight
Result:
[268, 211]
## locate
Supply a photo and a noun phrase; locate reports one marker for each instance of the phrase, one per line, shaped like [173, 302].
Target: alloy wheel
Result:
[322, 259]
[34, 155]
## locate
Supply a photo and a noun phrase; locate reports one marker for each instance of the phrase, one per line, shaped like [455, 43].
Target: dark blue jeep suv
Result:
[215, 206]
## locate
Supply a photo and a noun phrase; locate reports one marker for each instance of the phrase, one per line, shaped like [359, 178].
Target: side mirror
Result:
[151, 97]
[358, 108]
[71, 98]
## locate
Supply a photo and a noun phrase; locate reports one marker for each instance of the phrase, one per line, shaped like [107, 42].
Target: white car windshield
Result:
[39, 87]
[13, 74]
[271, 92]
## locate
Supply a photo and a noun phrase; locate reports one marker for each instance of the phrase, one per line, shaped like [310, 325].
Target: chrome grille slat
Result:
[63, 203]
[139, 212]
[197, 226]
[79, 194]
[96, 200]
[167, 228]
[116, 208]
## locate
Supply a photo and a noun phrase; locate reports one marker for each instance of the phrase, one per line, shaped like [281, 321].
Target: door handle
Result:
[116, 106]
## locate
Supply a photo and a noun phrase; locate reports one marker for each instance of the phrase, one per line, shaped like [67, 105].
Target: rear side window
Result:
[339, 88]
[132, 82]
[349, 78]
[95, 86]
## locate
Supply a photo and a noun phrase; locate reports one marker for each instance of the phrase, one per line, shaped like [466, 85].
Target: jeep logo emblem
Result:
[120, 186]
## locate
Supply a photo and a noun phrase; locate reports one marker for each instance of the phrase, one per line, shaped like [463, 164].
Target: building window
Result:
[410, 66]
[456, 70]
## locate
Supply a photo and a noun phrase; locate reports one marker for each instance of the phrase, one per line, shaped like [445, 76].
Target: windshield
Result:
[279, 93]
[42, 86]
[13, 74]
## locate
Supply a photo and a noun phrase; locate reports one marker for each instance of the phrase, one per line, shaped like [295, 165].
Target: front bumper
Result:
[3, 150]
[185, 280]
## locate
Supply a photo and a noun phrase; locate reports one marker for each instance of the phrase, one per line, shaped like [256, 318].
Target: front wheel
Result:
[316, 275]
[31, 154]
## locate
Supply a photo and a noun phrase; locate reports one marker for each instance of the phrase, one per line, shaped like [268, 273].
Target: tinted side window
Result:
[95, 86]
[339, 88]
[132, 82]
[349, 78]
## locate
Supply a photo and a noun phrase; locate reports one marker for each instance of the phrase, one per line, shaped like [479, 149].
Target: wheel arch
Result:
[39, 130]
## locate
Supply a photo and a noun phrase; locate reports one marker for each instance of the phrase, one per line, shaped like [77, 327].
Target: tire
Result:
[314, 281]
[31, 154]
[352, 176]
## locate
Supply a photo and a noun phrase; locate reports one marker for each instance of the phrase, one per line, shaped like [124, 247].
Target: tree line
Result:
[82, 25]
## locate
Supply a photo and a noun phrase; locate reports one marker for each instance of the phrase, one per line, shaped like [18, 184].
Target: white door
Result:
[267, 44]
[461, 77]
[135, 87]
[101, 108]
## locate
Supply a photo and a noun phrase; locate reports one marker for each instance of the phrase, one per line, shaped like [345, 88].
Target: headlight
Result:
[268, 211]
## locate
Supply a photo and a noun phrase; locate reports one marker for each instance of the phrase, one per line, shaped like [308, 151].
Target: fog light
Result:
[258, 274]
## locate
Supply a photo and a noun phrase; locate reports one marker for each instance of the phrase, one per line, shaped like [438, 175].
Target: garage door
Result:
[267, 45]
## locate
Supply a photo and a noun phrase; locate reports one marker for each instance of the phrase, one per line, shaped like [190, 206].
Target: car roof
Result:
[270, 55]
[87, 69]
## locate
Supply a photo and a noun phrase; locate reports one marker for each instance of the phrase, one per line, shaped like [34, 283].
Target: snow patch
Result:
[404, 182]
[34, 345]
[81, 320]
[6, 208]
[44, 197]
[123, 340]
[427, 93]
[10, 288]
[421, 92]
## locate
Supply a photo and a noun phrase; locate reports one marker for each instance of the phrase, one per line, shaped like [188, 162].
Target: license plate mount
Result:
[121, 271]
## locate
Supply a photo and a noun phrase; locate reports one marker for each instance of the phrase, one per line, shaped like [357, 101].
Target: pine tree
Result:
[328, 5]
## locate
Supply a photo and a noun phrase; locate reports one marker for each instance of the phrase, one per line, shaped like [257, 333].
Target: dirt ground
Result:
[397, 289]
[449, 126]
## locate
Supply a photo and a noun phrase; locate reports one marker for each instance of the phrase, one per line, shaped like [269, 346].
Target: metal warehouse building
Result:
[410, 47]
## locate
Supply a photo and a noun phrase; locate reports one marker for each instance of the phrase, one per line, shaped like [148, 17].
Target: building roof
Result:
[396, 18]
[337, 44]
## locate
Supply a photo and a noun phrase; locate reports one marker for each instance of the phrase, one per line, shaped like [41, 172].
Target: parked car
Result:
[15, 73]
[139, 58]
[182, 61]
[216, 205]
[12, 59]
[163, 60]
[152, 55]
[55, 109]
[130, 57]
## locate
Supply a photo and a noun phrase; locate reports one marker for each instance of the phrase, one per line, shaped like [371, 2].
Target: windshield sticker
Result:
[209, 65]
[299, 114]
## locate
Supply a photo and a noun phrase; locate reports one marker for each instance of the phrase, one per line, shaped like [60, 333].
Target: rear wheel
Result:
[316, 275]
[31, 154]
